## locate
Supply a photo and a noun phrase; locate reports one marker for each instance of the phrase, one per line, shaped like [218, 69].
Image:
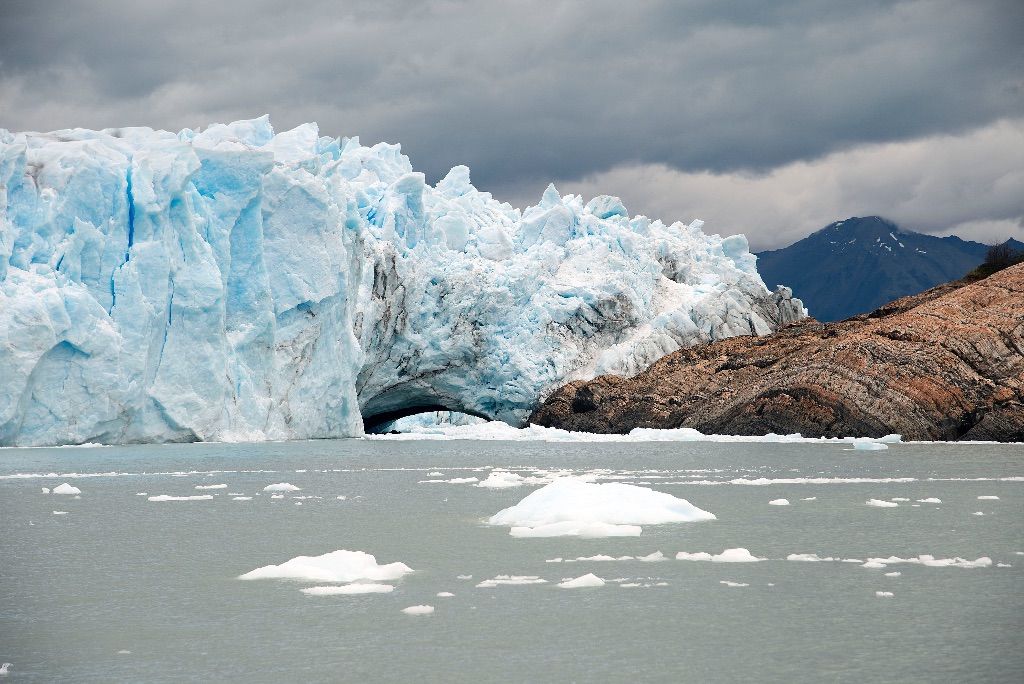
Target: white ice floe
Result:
[60, 512]
[929, 561]
[870, 446]
[893, 574]
[733, 584]
[277, 496]
[737, 555]
[571, 506]
[810, 498]
[779, 502]
[168, 497]
[655, 557]
[454, 480]
[883, 594]
[588, 580]
[46, 490]
[66, 489]
[435, 474]
[996, 498]
[336, 566]
[808, 557]
[445, 594]
[501, 479]
[1003, 565]
[930, 500]
[216, 486]
[699, 556]
[899, 498]
[349, 589]
[978, 513]
[241, 498]
[881, 504]
[281, 487]
[513, 580]
[418, 610]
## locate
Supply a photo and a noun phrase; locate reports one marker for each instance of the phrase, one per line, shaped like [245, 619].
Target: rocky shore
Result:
[947, 364]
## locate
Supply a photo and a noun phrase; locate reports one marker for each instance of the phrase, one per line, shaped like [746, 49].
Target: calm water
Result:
[119, 573]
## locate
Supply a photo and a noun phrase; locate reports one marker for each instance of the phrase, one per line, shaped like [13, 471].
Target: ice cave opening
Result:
[406, 418]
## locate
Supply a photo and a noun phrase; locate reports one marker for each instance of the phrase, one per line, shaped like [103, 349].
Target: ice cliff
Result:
[234, 284]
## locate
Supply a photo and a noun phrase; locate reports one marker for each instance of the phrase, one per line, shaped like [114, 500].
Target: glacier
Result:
[234, 284]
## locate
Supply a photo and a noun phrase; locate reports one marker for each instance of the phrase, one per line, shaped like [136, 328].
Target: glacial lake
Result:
[118, 588]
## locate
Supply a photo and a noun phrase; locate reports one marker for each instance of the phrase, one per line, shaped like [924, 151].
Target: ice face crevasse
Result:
[234, 284]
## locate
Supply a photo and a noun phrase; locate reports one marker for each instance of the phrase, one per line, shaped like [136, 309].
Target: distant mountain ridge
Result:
[854, 266]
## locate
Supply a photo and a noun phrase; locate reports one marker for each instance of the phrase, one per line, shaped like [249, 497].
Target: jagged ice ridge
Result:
[234, 284]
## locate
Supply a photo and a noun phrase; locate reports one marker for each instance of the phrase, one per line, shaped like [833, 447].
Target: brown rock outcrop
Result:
[947, 364]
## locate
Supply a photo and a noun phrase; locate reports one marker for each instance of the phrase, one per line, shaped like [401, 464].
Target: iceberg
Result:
[237, 284]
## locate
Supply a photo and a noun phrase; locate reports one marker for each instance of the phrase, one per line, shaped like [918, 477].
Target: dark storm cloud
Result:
[531, 91]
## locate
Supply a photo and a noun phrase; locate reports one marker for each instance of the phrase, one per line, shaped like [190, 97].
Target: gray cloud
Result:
[531, 91]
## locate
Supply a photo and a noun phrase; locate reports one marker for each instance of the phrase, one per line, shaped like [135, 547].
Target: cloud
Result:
[532, 91]
[970, 185]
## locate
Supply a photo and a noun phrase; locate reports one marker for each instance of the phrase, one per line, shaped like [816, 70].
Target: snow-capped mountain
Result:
[854, 266]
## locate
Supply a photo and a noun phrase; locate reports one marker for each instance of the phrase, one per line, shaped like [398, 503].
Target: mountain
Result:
[855, 266]
[947, 364]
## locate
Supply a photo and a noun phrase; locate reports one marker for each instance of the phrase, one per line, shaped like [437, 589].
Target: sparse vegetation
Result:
[997, 258]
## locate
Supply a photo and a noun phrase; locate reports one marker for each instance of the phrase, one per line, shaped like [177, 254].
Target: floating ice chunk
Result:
[652, 558]
[241, 498]
[513, 580]
[46, 490]
[930, 561]
[277, 496]
[554, 560]
[348, 589]
[216, 486]
[810, 557]
[738, 555]
[598, 557]
[124, 653]
[435, 474]
[893, 574]
[168, 497]
[573, 528]
[810, 498]
[930, 500]
[699, 556]
[870, 446]
[418, 610]
[445, 594]
[978, 513]
[281, 487]
[588, 580]
[779, 502]
[454, 480]
[60, 512]
[996, 498]
[899, 498]
[464, 577]
[141, 494]
[336, 566]
[572, 506]
[733, 584]
[881, 504]
[500, 479]
[883, 594]
[66, 489]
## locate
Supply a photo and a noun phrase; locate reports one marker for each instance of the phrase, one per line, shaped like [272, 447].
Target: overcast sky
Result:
[766, 118]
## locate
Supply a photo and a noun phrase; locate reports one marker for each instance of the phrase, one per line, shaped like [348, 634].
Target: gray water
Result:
[118, 572]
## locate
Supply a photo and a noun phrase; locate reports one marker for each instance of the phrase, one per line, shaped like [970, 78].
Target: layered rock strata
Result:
[947, 364]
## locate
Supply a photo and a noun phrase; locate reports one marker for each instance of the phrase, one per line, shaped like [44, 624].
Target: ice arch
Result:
[237, 284]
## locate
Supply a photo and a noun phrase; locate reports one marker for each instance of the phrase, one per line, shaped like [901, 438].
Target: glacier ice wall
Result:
[234, 284]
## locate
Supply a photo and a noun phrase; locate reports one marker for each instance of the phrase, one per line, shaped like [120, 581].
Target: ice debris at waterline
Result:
[235, 284]
[66, 489]
[336, 566]
[573, 507]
